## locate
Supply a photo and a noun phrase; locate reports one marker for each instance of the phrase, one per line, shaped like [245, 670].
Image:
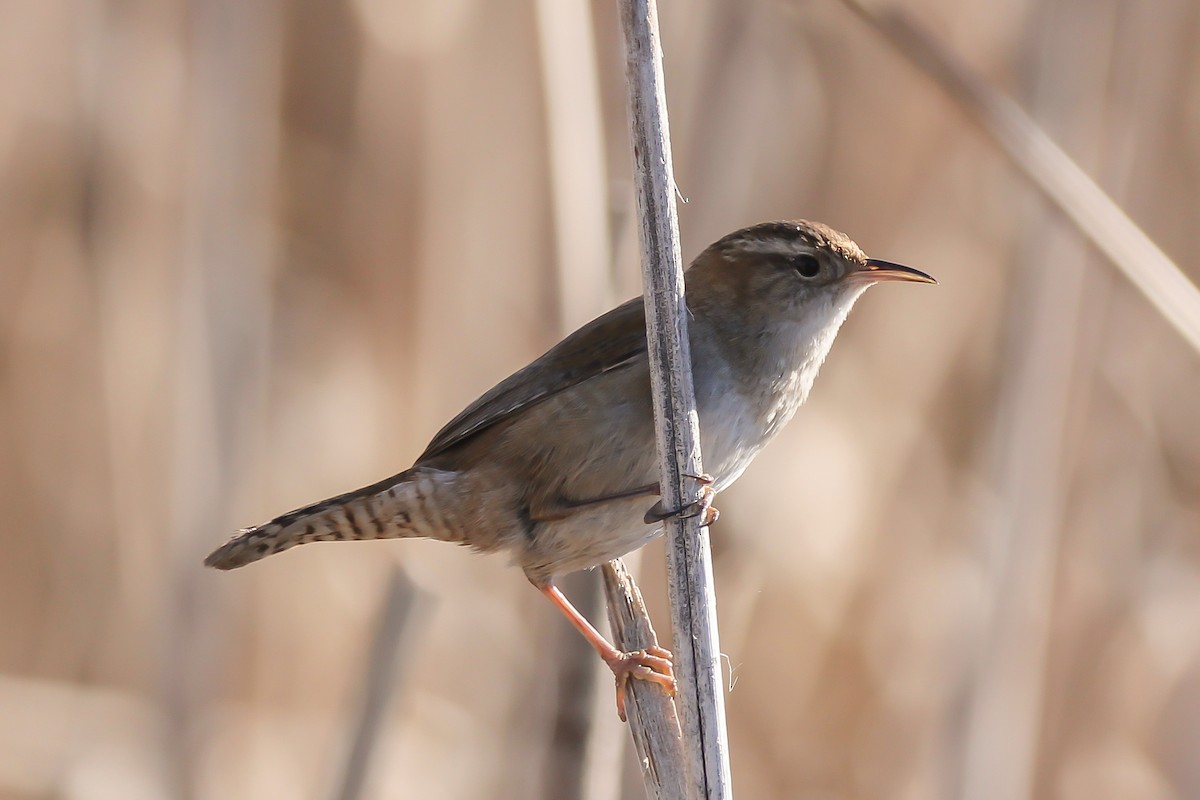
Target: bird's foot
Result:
[652, 664]
[702, 508]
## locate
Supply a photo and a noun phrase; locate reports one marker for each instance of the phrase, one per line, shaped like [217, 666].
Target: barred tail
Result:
[394, 508]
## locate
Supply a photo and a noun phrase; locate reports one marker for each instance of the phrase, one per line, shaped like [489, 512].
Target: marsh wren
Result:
[555, 464]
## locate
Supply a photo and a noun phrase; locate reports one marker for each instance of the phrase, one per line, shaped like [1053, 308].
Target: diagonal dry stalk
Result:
[1051, 170]
[1007, 690]
[653, 720]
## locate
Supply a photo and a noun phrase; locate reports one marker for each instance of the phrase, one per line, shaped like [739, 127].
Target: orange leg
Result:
[652, 664]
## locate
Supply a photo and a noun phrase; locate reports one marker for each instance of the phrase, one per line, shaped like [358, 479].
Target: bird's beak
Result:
[876, 270]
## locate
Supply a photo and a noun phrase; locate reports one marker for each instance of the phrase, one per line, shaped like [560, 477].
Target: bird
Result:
[556, 464]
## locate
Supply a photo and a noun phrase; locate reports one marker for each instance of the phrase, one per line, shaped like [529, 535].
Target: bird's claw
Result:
[702, 507]
[652, 664]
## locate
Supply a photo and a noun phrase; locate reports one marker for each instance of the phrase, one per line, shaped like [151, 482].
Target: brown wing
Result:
[609, 342]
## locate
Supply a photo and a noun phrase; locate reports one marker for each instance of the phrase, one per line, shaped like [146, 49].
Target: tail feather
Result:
[385, 510]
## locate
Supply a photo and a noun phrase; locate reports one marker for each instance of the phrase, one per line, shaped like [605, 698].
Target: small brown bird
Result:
[555, 464]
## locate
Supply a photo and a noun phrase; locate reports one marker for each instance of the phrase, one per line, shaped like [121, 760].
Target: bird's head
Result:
[791, 269]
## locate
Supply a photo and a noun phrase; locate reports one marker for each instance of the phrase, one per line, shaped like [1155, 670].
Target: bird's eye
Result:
[807, 265]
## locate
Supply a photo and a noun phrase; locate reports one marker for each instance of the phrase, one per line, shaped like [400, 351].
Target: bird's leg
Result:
[560, 509]
[702, 508]
[652, 664]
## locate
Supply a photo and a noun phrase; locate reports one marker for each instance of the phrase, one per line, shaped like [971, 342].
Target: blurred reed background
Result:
[255, 254]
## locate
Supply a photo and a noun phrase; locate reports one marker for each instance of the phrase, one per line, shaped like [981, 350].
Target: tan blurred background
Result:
[255, 254]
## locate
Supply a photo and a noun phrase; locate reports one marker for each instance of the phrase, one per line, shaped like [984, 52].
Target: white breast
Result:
[743, 409]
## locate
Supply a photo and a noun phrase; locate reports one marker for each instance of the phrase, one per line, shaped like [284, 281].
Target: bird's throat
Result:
[751, 378]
